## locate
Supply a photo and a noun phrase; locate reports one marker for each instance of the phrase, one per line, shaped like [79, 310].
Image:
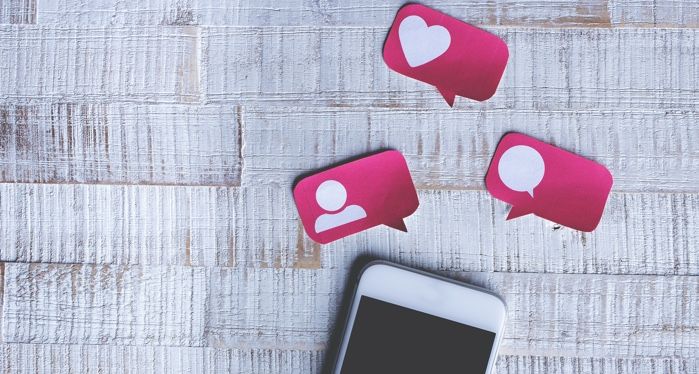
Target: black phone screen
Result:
[388, 338]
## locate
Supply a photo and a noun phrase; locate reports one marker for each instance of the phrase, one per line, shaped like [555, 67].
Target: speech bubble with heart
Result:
[457, 58]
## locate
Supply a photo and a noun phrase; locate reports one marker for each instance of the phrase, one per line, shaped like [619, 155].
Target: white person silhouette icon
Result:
[331, 195]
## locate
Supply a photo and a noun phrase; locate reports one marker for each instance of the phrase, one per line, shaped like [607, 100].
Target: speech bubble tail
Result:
[449, 96]
[531, 193]
[398, 225]
[516, 212]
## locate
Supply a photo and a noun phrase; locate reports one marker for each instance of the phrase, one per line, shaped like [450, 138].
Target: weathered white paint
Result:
[157, 64]
[121, 92]
[117, 224]
[644, 150]
[116, 12]
[124, 143]
[104, 305]
[598, 365]
[654, 13]
[308, 12]
[381, 13]
[549, 69]
[18, 11]
[68, 359]
[576, 315]
[640, 233]
[557, 13]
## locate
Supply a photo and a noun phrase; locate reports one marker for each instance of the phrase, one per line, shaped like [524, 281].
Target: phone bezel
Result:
[428, 293]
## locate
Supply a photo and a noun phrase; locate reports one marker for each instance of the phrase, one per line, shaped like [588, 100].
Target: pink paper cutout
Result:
[379, 191]
[572, 191]
[471, 66]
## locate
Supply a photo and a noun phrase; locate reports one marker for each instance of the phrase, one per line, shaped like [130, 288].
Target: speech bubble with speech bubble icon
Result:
[536, 177]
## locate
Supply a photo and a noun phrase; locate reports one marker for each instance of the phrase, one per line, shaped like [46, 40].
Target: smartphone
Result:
[407, 321]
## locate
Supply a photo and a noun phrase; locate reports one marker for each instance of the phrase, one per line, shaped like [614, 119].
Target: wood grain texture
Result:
[2, 295]
[373, 13]
[69, 359]
[158, 64]
[445, 149]
[549, 69]
[117, 224]
[557, 13]
[18, 11]
[262, 360]
[116, 12]
[593, 13]
[148, 149]
[452, 230]
[119, 143]
[47, 303]
[576, 315]
[578, 365]
[640, 233]
[684, 13]
[64, 359]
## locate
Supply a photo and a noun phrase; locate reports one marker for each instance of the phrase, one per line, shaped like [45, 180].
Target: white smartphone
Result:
[407, 321]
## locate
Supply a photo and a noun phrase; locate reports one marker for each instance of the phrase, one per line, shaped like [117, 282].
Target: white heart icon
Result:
[422, 44]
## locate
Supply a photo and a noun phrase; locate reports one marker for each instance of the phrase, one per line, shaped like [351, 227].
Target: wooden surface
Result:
[147, 152]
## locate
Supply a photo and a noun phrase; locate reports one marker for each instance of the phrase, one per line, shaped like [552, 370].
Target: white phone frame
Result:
[429, 294]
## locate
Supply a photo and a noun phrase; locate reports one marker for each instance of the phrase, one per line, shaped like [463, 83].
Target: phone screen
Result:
[388, 338]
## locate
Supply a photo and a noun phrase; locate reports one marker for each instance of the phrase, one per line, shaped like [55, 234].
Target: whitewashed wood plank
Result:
[556, 13]
[65, 359]
[47, 303]
[381, 13]
[511, 364]
[117, 224]
[548, 314]
[18, 11]
[640, 233]
[262, 360]
[132, 64]
[268, 232]
[601, 69]
[116, 12]
[684, 13]
[70, 358]
[103, 359]
[307, 12]
[2, 296]
[119, 143]
[288, 308]
[293, 361]
[645, 151]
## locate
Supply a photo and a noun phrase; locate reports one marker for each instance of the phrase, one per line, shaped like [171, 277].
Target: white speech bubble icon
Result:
[521, 168]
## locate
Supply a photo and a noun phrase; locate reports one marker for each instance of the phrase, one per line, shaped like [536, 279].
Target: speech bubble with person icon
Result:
[457, 58]
[536, 177]
[355, 196]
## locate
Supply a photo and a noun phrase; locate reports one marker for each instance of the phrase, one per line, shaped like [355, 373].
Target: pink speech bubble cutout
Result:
[374, 190]
[536, 177]
[453, 56]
